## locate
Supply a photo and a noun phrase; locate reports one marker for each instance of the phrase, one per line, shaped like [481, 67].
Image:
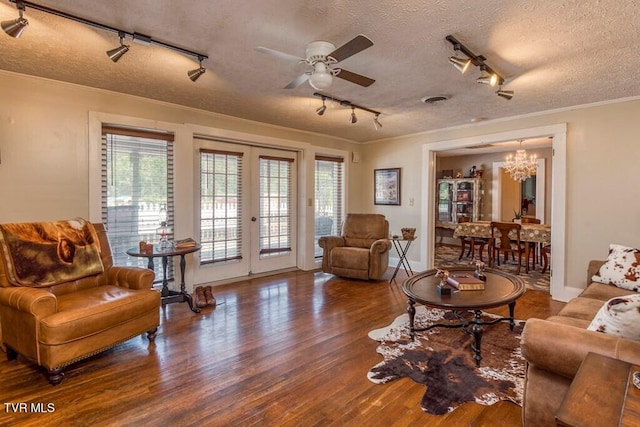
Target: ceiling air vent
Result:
[433, 99]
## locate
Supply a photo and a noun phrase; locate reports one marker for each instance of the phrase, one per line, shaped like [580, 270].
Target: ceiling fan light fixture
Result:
[376, 123]
[321, 80]
[15, 27]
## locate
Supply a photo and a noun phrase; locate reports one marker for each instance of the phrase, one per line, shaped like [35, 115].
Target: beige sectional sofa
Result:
[554, 349]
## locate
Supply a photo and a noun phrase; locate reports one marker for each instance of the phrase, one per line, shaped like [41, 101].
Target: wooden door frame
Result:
[559, 291]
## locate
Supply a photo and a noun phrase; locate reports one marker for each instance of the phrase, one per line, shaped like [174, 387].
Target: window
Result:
[137, 189]
[329, 209]
[220, 206]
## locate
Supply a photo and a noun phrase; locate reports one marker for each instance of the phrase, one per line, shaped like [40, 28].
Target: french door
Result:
[247, 210]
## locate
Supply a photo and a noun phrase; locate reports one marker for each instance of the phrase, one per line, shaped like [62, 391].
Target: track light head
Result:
[15, 27]
[353, 118]
[320, 110]
[195, 74]
[506, 94]
[376, 123]
[116, 54]
[489, 79]
[460, 64]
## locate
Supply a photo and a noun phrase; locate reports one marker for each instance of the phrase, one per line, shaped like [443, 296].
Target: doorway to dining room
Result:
[555, 186]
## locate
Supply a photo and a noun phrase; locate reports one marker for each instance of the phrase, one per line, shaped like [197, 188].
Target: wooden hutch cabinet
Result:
[458, 197]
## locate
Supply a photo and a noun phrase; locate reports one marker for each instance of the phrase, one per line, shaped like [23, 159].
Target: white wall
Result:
[603, 153]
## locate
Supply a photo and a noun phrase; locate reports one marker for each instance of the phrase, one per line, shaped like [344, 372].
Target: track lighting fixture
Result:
[320, 111]
[506, 94]
[353, 118]
[195, 74]
[376, 123]
[488, 77]
[15, 27]
[116, 54]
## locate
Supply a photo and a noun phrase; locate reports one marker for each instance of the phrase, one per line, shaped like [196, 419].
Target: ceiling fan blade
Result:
[298, 81]
[355, 78]
[355, 45]
[278, 54]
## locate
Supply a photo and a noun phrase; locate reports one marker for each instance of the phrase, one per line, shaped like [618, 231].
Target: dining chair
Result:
[534, 248]
[546, 253]
[471, 242]
[501, 243]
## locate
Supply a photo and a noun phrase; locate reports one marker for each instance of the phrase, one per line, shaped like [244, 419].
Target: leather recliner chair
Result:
[362, 251]
[58, 325]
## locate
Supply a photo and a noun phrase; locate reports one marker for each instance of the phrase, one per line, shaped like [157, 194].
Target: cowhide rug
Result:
[441, 359]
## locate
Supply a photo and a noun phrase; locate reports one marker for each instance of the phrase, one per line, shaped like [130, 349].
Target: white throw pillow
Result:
[619, 316]
[622, 268]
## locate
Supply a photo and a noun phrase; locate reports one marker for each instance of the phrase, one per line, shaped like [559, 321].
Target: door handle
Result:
[253, 218]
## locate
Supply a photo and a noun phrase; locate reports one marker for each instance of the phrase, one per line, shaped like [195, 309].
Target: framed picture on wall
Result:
[386, 185]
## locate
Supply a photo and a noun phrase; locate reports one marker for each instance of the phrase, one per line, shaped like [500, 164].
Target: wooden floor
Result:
[286, 350]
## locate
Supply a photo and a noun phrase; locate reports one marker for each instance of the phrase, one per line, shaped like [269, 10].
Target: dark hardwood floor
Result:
[286, 350]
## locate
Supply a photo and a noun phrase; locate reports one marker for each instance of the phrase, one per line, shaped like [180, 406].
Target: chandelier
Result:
[521, 167]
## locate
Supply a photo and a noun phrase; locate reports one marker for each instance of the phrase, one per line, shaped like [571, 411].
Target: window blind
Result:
[220, 206]
[275, 205]
[137, 189]
[329, 207]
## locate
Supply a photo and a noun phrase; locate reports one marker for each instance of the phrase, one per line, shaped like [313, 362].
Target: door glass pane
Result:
[220, 206]
[275, 206]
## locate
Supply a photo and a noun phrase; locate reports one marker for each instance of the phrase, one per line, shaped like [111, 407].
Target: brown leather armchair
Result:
[362, 252]
[60, 324]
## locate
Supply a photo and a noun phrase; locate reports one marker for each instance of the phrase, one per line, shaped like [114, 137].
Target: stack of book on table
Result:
[184, 243]
[465, 282]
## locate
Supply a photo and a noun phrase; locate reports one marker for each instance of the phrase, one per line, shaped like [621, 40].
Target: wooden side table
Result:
[601, 394]
[167, 295]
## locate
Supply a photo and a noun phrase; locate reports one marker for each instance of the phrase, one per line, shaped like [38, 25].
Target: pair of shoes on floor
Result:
[204, 297]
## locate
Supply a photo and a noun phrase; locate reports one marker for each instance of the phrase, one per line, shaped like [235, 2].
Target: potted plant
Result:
[517, 217]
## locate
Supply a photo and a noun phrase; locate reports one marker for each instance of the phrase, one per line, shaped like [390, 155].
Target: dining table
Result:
[534, 233]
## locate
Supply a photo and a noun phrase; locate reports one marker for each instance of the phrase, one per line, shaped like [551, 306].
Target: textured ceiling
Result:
[552, 53]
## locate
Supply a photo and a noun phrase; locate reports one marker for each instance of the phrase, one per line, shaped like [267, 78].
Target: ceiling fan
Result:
[321, 56]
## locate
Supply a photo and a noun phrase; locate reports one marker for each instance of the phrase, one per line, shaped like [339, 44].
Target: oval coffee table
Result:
[500, 289]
